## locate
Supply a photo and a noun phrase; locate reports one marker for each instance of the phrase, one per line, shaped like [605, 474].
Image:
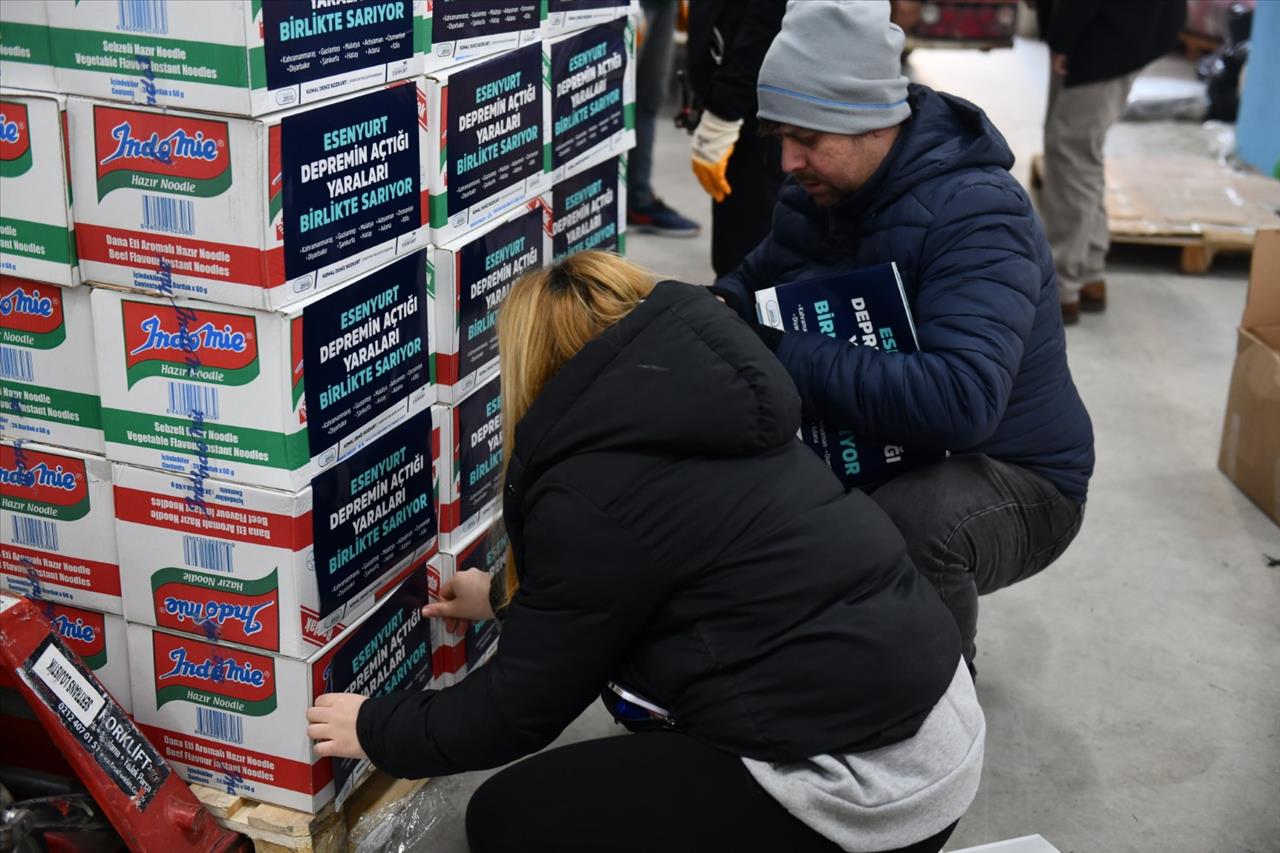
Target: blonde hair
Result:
[549, 315]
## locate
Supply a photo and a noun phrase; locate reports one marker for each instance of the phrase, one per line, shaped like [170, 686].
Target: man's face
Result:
[831, 165]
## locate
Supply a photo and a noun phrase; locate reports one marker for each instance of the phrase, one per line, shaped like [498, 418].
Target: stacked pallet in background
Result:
[251, 260]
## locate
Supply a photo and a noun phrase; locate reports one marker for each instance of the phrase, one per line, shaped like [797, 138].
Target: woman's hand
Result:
[464, 599]
[333, 725]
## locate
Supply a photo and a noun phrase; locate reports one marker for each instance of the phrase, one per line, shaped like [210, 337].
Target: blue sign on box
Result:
[868, 308]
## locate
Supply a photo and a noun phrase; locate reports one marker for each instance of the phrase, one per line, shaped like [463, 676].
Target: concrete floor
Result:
[1132, 690]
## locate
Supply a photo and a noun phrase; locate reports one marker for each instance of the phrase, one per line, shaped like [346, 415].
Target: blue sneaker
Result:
[657, 218]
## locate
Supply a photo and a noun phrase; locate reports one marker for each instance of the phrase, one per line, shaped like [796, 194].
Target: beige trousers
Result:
[1073, 196]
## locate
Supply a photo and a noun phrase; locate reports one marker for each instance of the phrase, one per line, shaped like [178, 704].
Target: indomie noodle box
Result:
[235, 720]
[241, 57]
[37, 240]
[256, 213]
[489, 131]
[48, 388]
[268, 398]
[57, 526]
[274, 571]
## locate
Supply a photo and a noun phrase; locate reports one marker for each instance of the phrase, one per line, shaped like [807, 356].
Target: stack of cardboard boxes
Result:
[251, 259]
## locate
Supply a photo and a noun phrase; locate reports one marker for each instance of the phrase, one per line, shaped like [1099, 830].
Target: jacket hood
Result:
[681, 373]
[945, 134]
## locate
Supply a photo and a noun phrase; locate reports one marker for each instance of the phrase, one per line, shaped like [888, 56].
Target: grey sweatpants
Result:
[1073, 197]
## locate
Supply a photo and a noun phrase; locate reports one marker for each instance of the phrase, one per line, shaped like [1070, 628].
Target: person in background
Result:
[737, 166]
[1096, 49]
[646, 213]
[791, 682]
[884, 171]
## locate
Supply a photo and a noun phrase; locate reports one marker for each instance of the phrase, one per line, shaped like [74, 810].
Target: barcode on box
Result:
[170, 215]
[219, 725]
[144, 16]
[189, 399]
[35, 533]
[208, 554]
[15, 364]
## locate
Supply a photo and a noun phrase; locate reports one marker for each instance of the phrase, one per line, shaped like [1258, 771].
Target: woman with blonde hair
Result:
[791, 683]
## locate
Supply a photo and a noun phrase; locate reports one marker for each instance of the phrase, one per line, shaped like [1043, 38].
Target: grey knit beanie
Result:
[836, 66]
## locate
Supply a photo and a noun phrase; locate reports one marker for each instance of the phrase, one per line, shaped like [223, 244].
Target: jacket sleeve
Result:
[739, 287]
[586, 589]
[974, 307]
[732, 94]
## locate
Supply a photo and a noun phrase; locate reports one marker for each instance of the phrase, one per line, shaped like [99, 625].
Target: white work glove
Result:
[713, 142]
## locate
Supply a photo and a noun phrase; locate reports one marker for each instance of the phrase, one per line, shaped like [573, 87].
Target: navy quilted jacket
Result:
[992, 374]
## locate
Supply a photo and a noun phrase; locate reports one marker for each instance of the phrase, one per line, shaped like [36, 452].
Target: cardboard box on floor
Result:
[1250, 453]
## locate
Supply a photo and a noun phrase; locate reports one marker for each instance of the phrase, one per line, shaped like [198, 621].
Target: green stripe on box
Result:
[546, 157]
[218, 583]
[55, 405]
[33, 37]
[422, 35]
[226, 61]
[622, 244]
[182, 693]
[629, 116]
[439, 210]
[257, 67]
[287, 452]
[51, 243]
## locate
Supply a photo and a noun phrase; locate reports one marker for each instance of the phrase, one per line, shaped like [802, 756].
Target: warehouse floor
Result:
[1132, 690]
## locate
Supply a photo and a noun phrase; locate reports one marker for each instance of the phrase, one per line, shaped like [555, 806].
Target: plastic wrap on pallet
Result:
[415, 822]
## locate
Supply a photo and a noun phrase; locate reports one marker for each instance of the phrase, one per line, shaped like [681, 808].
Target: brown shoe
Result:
[1070, 313]
[1093, 297]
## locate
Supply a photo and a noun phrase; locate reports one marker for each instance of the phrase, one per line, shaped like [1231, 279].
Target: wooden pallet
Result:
[275, 829]
[1198, 206]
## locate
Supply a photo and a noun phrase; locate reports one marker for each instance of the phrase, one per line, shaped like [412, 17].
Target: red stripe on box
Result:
[171, 513]
[447, 368]
[265, 768]
[248, 266]
[57, 570]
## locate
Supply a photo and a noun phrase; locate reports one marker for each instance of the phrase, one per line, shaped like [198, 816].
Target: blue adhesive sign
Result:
[584, 209]
[365, 347]
[391, 650]
[494, 126]
[487, 267]
[351, 177]
[867, 308]
[372, 510]
[455, 20]
[479, 419]
[305, 43]
[587, 72]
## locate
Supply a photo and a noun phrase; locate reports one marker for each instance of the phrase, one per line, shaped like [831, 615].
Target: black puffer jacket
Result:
[672, 534]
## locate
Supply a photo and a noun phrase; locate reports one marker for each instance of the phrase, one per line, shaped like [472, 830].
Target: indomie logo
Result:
[15, 139]
[40, 476]
[192, 344]
[33, 304]
[216, 670]
[77, 630]
[206, 336]
[216, 613]
[159, 152]
[8, 129]
[178, 144]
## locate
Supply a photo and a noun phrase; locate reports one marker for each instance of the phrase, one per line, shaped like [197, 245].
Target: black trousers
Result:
[743, 219]
[974, 525]
[649, 793]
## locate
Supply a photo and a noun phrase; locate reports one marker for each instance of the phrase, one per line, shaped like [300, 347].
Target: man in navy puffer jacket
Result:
[882, 171]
